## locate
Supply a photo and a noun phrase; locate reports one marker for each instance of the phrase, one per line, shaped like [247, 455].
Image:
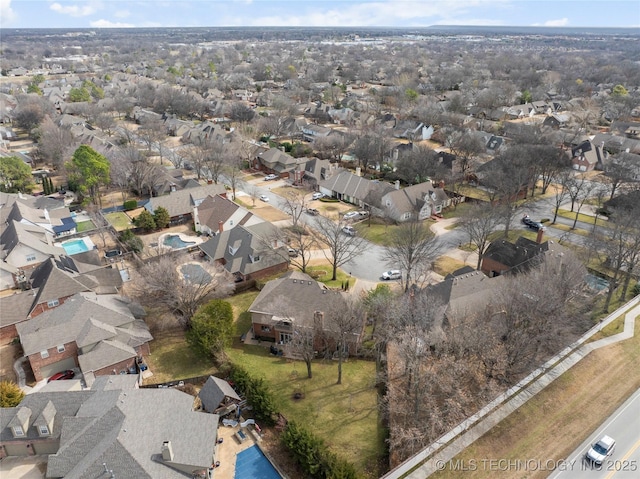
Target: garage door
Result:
[53, 368]
[48, 447]
[17, 449]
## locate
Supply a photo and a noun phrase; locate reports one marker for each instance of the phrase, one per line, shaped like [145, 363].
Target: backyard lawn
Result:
[345, 415]
[85, 226]
[119, 220]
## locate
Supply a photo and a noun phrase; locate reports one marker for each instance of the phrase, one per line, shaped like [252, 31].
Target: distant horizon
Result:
[100, 14]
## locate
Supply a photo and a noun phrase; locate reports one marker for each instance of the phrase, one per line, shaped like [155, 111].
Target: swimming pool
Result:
[76, 246]
[175, 242]
[195, 273]
[253, 464]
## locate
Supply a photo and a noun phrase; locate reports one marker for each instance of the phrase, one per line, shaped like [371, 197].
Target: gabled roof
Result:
[53, 283]
[516, 256]
[68, 323]
[295, 297]
[346, 183]
[121, 430]
[214, 391]
[240, 247]
[182, 202]
[32, 236]
[218, 208]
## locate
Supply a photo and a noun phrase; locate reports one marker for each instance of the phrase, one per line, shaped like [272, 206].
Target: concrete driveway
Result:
[28, 467]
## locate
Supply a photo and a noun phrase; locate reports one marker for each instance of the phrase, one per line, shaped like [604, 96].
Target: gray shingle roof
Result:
[182, 202]
[346, 183]
[214, 391]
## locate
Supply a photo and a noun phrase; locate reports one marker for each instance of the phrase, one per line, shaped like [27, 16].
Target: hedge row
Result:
[257, 394]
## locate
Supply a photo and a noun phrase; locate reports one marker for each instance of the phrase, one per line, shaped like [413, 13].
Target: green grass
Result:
[577, 231]
[472, 192]
[581, 217]
[513, 235]
[459, 210]
[614, 327]
[345, 415]
[378, 232]
[85, 226]
[119, 220]
[172, 359]
[445, 265]
[322, 273]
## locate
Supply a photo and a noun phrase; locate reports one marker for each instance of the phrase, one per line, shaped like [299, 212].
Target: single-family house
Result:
[502, 256]
[114, 429]
[25, 245]
[298, 303]
[587, 157]
[97, 333]
[248, 252]
[217, 214]
[557, 120]
[316, 170]
[180, 203]
[311, 132]
[355, 189]
[419, 201]
[277, 161]
[412, 130]
[218, 394]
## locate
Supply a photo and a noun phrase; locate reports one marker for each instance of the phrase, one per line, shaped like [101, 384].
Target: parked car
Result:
[316, 196]
[293, 253]
[68, 374]
[351, 215]
[534, 225]
[363, 213]
[602, 449]
[270, 177]
[312, 212]
[264, 198]
[350, 230]
[392, 274]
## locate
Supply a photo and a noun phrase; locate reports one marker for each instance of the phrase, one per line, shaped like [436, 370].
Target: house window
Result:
[254, 259]
[44, 354]
[285, 338]
[61, 348]
[44, 430]
[17, 431]
[31, 257]
[266, 329]
[53, 303]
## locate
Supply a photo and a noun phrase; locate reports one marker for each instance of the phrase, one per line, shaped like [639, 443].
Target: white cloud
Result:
[7, 15]
[562, 22]
[381, 12]
[102, 23]
[122, 14]
[76, 10]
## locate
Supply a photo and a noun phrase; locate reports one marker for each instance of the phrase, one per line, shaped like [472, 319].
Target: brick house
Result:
[248, 252]
[504, 257]
[98, 334]
[297, 302]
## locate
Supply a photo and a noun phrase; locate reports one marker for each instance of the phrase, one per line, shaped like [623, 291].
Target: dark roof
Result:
[213, 393]
[518, 256]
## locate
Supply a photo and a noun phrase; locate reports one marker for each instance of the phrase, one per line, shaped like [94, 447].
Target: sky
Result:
[317, 13]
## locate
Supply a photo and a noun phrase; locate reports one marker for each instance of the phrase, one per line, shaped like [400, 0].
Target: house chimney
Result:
[318, 320]
[397, 184]
[540, 235]
[220, 226]
[167, 451]
[358, 171]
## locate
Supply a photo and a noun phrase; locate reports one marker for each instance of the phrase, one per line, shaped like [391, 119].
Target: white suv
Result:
[598, 452]
[392, 274]
[350, 230]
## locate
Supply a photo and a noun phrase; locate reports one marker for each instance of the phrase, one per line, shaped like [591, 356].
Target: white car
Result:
[599, 451]
[350, 230]
[392, 274]
[264, 198]
[351, 215]
[316, 196]
[270, 177]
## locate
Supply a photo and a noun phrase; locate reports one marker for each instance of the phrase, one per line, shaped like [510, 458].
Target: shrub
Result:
[130, 205]
[636, 290]
[131, 241]
[10, 394]
[314, 456]
[257, 394]
[211, 328]
[145, 221]
[161, 217]
[327, 199]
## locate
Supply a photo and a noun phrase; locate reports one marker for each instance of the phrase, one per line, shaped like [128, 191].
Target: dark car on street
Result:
[534, 225]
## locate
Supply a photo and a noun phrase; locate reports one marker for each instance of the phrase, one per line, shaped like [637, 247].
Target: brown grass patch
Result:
[552, 424]
[8, 355]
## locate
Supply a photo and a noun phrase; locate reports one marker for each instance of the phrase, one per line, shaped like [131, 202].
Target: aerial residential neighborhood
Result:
[333, 252]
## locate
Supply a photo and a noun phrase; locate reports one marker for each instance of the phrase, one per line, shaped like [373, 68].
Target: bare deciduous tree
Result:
[412, 249]
[341, 247]
[164, 282]
[479, 222]
[344, 325]
[294, 205]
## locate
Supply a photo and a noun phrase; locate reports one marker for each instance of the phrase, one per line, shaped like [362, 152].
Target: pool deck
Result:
[229, 449]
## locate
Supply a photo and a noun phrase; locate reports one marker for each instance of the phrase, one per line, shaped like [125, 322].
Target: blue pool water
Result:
[253, 464]
[195, 273]
[75, 247]
[174, 241]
